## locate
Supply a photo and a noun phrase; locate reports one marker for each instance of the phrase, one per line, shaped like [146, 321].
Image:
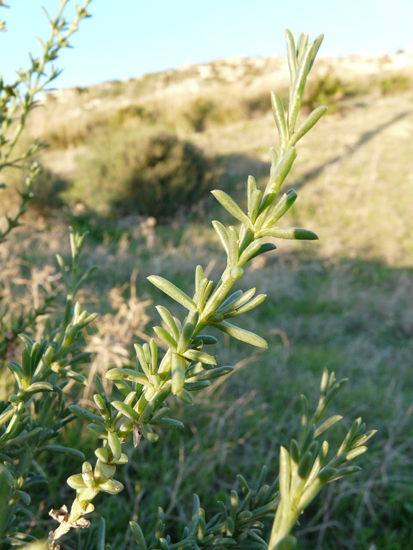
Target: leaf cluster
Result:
[304, 470]
[35, 413]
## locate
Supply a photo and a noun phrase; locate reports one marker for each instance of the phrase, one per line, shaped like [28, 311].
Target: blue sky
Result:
[126, 38]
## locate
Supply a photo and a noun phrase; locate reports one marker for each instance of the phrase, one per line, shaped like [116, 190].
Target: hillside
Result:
[354, 175]
[243, 76]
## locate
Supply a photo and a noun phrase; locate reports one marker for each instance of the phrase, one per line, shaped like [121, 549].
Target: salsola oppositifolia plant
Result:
[186, 368]
[33, 414]
[37, 410]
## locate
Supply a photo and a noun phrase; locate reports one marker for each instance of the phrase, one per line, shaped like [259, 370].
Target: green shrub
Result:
[146, 171]
[393, 84]
[205, 112]
[327, 90]
[133, 112]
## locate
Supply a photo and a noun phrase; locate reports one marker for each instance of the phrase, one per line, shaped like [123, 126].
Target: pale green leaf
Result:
[248, 306]
[288, 233]
[306, 126]
[241, 334]
[279, 116]
[178, 373]
[298, 87]
[231, 206]
[279, 209]
[251, 187]
[169, 321]
[111, 486]
[166, 338]
[279, 175]
[195, 355]
[127, 374]
[292, 59]
[222, 234]
[126, 410]
[114, 444]
[173, 291]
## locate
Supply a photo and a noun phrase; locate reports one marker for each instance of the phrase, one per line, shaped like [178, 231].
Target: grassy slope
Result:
[345, 303]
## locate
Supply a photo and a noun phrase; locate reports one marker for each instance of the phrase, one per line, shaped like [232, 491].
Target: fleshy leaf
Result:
[166, 338]
[127, 374]
[195, 355]
[178, 373]
[241, 334]
[222, 234]
[126, 410]
[231, 206]
[173, 291]
[279, 116]
[111, 486]
[306, 126]
[289, 233]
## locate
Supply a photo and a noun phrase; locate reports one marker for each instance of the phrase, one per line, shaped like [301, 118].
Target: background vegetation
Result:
[345, 303]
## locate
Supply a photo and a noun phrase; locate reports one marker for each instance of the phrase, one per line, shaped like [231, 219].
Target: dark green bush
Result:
[49, 189]
[259, 104]
[200, 111]
[146, 171]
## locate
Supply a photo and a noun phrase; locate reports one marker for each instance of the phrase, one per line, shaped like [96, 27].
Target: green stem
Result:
[65, 323]
[282, 525]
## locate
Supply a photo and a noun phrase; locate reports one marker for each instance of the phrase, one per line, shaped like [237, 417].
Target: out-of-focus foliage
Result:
[147, 171]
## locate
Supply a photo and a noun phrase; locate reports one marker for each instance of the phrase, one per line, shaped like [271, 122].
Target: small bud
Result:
[87, 467]
[236, 272]
[88, 479]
